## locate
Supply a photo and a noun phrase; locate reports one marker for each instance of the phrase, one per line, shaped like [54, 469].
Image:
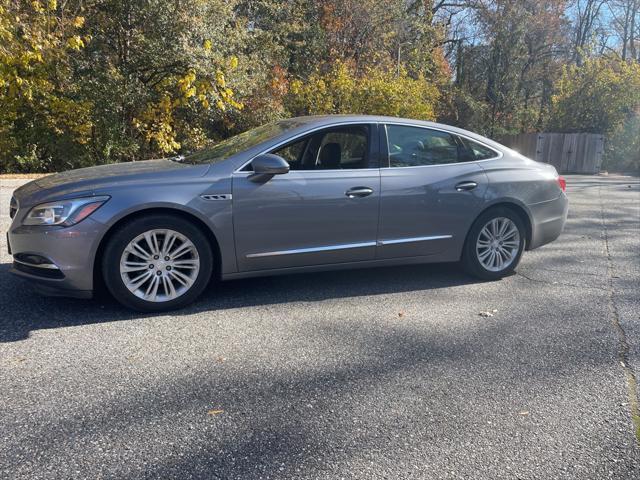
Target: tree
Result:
[602, 96]
[42, 116]
[157, 72]
[378, 92]
[596, 97]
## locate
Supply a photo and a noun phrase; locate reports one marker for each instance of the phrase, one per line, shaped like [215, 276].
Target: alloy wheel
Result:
[498, 244]
[159, 265]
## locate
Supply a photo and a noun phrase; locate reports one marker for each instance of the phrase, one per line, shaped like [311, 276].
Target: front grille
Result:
[13, 207]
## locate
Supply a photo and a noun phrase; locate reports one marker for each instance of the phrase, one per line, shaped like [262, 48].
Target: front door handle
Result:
[358, 192]
[466, 186]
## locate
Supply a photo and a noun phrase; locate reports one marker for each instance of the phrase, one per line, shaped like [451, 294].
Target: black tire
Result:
[129, 231]
[470, 260]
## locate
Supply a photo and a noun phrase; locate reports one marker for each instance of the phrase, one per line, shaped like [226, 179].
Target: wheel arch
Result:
[516, 207]
[98, 282]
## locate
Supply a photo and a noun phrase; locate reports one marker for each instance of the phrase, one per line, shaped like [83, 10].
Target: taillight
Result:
[562, 183]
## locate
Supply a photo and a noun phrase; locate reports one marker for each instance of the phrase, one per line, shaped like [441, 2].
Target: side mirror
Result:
[266, 166]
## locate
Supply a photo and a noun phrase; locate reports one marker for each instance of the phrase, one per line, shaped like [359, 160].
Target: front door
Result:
[324, 211]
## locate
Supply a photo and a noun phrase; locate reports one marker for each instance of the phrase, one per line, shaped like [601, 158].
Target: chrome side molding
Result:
[345, 246]
[327, 248]
[393, 241]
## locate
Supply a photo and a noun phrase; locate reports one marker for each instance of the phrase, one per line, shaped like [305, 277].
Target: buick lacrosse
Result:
[297, 195]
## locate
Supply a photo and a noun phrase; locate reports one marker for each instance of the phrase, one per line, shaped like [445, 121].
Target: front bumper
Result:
[68, 255]
[548, 220]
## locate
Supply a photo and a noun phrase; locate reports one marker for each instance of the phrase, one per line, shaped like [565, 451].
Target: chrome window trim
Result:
[328, 248]
[250, 172]
[395, 241]
[499, 154]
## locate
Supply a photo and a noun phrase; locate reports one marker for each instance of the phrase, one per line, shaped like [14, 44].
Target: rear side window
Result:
[477, 151]
[415, 146]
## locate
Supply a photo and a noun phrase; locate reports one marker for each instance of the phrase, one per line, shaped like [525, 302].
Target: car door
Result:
[324, 211]
[432, 190]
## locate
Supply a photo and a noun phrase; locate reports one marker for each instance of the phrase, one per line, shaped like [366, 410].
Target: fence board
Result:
[568, 152]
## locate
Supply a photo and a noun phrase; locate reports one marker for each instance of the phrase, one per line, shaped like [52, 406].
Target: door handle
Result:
[358, 192]
[466, 186]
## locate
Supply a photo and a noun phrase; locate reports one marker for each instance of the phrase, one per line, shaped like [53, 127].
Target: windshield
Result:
[239, 143]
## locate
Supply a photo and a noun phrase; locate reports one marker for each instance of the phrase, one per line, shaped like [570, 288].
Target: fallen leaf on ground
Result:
[526, 412]
[215, 411]
[488, 313]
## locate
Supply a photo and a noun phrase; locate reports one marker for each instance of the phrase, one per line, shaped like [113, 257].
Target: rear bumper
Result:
[548, 220]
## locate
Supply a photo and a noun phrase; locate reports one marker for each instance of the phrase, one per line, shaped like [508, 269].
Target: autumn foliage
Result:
[91, 82]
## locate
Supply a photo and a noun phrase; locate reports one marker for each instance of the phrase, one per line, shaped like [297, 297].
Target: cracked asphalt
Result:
[372, 374]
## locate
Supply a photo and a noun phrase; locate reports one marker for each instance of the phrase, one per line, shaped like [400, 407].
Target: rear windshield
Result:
[241, 142]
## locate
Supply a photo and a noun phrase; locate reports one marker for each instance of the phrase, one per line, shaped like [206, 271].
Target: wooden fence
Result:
[568, 152]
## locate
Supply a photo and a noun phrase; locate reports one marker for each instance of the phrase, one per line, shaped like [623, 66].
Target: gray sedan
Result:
[298, 195]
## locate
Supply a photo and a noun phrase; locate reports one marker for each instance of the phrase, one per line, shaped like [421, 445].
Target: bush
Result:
[602, 96]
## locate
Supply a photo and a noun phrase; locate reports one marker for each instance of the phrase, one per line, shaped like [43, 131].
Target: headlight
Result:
[64, 212]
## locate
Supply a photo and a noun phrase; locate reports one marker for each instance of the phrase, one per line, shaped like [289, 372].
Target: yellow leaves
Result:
[156, 124]
[220, 81]
[377, 91]
[204, 90]
[296, 87]
[233, 62]
[207, 45]
[78, 22]
[75, 42]
[52, 5]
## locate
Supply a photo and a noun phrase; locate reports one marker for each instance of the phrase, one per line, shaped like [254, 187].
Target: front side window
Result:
[331, 149]
[415, 146]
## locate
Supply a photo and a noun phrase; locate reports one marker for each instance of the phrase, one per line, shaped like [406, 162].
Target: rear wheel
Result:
[157, 263]
[494, 244]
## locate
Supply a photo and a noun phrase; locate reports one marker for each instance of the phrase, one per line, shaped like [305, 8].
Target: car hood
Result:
[92, 180]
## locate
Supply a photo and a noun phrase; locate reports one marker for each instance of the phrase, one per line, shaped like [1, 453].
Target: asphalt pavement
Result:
[390, 373]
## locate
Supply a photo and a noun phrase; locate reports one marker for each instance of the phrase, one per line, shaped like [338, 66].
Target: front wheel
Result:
[494, 244]
[157, 263]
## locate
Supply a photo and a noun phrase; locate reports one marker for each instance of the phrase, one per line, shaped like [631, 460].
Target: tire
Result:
[480, 246]
[176, 269]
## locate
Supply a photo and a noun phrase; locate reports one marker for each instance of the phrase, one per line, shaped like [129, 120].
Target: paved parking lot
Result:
[374, 374]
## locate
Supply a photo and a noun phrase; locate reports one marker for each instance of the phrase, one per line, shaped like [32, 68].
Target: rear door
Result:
[432, 190]
[324, 211]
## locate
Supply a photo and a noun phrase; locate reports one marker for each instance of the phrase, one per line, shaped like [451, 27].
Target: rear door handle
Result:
[465, 186]
[358, 192]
